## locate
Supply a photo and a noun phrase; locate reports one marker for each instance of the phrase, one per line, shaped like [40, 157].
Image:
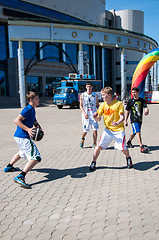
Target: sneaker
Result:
[20, 180]
[129, 144]
[92, 166]
[129, 162]
[144, 149]
[10, 169]
[82, 142]
[94, 145]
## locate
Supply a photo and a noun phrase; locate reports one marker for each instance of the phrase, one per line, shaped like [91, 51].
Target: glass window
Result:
[2, 84]
[33, 84]
[88, 59]
[108, 66]
[71, 50]
[3, 43]
[86, 62]
[132, 62]
[52, 53]
[98, 63]
[15, 49]
[108, 23]
[61, 91]
[51, 84]
[91, 61]
[128, 62]
[29, 49]
[86, 50]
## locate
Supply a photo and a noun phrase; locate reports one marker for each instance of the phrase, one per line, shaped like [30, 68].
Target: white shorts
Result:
[117, 136]
[28, 149]
[86, 123]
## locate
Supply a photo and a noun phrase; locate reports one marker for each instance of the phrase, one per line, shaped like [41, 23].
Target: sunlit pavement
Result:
[66, 201]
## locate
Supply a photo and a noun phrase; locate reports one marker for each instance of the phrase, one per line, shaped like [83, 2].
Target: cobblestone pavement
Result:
[67, 201]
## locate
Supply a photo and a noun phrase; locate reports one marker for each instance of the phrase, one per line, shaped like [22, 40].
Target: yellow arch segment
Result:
[149, 59]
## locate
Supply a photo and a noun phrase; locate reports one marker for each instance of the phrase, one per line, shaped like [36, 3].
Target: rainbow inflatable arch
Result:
[142, 70]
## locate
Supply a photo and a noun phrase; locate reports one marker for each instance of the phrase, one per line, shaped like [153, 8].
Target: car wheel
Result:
[60, 106]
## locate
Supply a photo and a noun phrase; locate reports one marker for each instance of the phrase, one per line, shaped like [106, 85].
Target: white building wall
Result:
[92, 11]
[132, 20]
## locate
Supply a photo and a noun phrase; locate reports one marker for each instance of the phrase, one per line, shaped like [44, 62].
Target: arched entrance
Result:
[35, 83]
[33, 62]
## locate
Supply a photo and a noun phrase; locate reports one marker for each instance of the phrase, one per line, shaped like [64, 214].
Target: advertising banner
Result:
[152, 97]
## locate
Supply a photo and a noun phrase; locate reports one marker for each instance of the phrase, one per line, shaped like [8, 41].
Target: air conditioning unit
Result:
[72, 75]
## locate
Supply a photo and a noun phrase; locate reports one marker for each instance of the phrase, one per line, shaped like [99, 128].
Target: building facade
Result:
[47, 40]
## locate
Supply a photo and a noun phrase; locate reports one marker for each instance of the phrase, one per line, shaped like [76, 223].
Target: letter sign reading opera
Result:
[49, 32]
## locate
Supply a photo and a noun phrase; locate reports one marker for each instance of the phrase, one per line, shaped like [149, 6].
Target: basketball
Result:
[37, 135]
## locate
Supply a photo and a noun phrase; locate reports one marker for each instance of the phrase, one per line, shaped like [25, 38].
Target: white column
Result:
[21, 76]
[103, 70]
[155, 77]
[80, 60]
[147, 83]
[94, 60]
[123, 78]
[152, 78]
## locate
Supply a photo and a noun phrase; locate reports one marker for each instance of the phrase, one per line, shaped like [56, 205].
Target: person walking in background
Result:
[135, 109]
[88, 105]
[113, 115]
[25, 122]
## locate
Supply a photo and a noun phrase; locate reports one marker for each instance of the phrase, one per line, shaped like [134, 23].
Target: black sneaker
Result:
[92, 167]
[129, 144]
[144, 149]
[20, 180]
[82, 142]
[129, 162]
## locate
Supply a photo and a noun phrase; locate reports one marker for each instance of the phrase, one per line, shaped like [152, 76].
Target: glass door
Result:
[33, 84]
[2, 84]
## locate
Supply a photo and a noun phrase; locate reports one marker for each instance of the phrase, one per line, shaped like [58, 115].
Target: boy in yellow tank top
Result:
[113, 115]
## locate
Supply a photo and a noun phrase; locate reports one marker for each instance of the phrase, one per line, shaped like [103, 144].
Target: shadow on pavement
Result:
[153, 148]
[86, 147]
[53, 174]
[108, 148]
[143, 166]
[81, 172]
[140, 166]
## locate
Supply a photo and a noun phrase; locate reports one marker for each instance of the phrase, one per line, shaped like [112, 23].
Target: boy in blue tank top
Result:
[27, 148]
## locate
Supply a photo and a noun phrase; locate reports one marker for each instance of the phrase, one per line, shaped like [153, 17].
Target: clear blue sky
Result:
[150, 9]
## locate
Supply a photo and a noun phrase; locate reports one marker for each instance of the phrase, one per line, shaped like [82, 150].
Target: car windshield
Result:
[61, 91]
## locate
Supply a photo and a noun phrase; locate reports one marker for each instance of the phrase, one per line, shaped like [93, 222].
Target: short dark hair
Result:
[30, 95]
[135, 89]
[89, 83]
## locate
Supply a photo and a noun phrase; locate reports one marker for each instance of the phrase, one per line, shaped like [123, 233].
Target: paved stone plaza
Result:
[68, 202]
